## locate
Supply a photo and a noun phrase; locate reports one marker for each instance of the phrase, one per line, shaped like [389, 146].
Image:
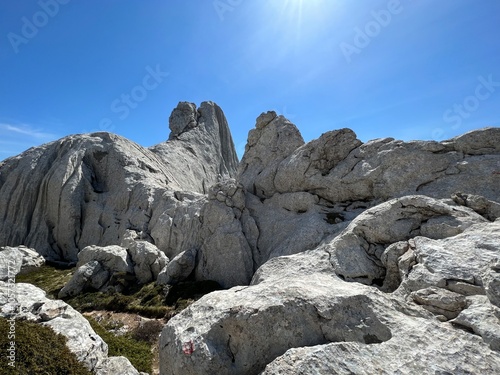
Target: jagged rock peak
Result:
[204, 133]
[183, 118]
[272, 140]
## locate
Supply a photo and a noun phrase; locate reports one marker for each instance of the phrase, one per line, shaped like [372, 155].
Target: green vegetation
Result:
[137, 351]
[47, 278]
[148, 300]
[38, 350]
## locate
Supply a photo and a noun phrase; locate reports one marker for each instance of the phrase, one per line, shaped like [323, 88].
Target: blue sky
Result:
[409, 69]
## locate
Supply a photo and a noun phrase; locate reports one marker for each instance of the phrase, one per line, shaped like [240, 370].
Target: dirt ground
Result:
[122, 323]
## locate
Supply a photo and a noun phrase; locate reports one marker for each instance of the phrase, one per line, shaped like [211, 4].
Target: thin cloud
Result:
[17, 138]
[27, 131]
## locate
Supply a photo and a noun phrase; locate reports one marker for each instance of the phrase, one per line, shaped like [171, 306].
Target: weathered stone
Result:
[225, 255]
[200, 149]
[240, 330]
[440, 301]
[293, 222]
[463, 258]
[337, 168]
[357, 252]
[18, 260]
[90, 275]
[487, 208]
[116, 365]
[115, 258]
[178, 269]
[419, 348]
[483, 319]
[147, 259]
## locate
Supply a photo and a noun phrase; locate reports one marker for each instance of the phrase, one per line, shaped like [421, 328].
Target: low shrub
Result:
[38, 351]
[148, 331]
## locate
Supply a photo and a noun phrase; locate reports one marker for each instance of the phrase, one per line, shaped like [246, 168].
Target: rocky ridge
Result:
[343, 257]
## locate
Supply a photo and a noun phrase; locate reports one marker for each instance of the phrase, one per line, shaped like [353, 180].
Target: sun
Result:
[302, 18]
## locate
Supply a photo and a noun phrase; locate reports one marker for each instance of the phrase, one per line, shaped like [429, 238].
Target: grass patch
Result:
[148, 301]
[138, 352]
[48, 278]
[38, 350]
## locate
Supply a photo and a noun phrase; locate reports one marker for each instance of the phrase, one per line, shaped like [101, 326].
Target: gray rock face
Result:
[90, 275]
[146, 258]
[18, 260]
[358, 252]
[491, 281]
[423, 354]
[116, 365]
[347, 257]
[89, 189]
[299, 317]
[225, 255]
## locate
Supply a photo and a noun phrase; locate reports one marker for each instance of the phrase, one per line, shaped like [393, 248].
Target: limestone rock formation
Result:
[225, 254]
[388, 168]
[18, 260]
[273, 139]
[299, 316]
[89, 189]
[117, 365]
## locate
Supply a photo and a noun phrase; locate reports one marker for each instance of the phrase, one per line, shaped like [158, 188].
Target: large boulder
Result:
[146, 258]
[136, 259]
[95, 267]
[178, 269]
[361, 252]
